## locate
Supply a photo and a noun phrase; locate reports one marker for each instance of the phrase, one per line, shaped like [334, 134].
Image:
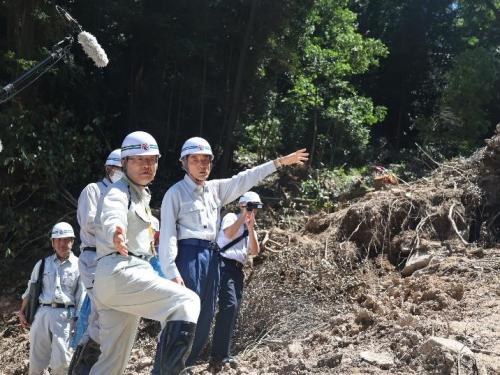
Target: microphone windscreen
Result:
[93, 49]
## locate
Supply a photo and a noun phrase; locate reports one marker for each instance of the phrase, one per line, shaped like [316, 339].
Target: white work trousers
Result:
[49, 341]
[127, 288]
[87, 264]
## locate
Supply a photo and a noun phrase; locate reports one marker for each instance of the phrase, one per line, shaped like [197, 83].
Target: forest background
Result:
[359, 83]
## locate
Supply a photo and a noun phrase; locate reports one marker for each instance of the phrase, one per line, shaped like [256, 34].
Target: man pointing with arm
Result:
[190, 215]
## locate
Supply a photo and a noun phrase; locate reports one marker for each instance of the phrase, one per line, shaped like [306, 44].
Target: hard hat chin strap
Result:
[185, 168]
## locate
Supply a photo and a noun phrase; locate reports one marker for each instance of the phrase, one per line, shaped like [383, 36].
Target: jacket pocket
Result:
[141, 213]
[191, 213]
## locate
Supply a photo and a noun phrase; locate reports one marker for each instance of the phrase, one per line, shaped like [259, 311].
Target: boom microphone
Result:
[74, 23]
[93, 49]
[89, 43]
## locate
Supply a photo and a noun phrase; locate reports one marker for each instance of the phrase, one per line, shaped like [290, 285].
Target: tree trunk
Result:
[331, 136]
[202, 96]
[21, 28]
[166, 137]
[204, 71]
[397, 136]
[227, 96]
[136, 85]
[180, 107]
[235, 103]
[314, 136]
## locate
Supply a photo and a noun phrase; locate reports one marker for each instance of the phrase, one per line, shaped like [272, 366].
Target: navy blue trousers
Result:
[199, 268]
[230, 294]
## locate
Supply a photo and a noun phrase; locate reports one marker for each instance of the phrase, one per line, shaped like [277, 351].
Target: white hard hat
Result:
[62, 230]
[139, 143]
[115, 158]
[196, 145]
[250, 196]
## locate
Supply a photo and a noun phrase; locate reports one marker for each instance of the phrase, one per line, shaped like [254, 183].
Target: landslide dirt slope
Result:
[400, 281]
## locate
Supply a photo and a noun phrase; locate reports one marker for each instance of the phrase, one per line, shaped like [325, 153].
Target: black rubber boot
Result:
[75, 359]
[156, 364]
[88, 357]
[175, 345]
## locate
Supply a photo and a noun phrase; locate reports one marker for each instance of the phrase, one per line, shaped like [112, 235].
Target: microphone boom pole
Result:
[59, 51]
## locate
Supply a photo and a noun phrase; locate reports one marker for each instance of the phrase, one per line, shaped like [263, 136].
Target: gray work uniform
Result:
[190, 215]
[87, 261]
[50, 330]
[189, 210]
[126, 287]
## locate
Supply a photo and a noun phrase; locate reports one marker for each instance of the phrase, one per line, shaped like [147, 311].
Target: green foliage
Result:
[329, 75]
[14, 64]
[462, 120]
[331, 53]
[263, 136]
[326, 187]
[43, 164]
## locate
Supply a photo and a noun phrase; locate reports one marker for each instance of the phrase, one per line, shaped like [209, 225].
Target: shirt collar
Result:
[72, 258]
[194, 187]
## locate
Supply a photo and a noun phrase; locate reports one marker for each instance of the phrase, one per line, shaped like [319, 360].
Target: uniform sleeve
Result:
[113, 213]
[33, 278]
[80, 294]
[231, 188]
[87, 207]
[167, 250]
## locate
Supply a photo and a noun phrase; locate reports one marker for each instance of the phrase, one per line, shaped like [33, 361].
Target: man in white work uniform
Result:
[237, 239]
[190, 215]
[60, 298]
[126, 286]
[87, 332]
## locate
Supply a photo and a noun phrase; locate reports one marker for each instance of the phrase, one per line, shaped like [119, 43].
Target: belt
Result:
[206, 244]
[89, 249]
[141, 256]
[57, 305]
[234, 262]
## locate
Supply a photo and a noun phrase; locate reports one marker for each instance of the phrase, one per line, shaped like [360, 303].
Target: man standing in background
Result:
[60, 299]
[237, 239]
[87, 332]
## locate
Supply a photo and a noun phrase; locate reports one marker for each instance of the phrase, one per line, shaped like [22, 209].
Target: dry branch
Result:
[454, 225]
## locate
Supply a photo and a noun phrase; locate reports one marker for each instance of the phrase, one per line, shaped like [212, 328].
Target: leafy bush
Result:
[326, 187]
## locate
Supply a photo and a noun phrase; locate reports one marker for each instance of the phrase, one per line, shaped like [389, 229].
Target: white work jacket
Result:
[87, 207]
[127, 205]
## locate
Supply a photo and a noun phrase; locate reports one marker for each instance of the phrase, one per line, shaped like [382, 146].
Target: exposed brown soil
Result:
[373, 288]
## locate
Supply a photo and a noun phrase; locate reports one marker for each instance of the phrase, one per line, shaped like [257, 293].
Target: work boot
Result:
[218, 364]
[156, 364]
[175, 345]
[233, 363]
[75, 359]
[88, 357]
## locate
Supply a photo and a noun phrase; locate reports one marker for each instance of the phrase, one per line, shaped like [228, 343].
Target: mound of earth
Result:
[400, 281]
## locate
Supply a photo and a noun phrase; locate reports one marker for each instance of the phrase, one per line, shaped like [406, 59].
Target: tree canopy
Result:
[342, 78]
